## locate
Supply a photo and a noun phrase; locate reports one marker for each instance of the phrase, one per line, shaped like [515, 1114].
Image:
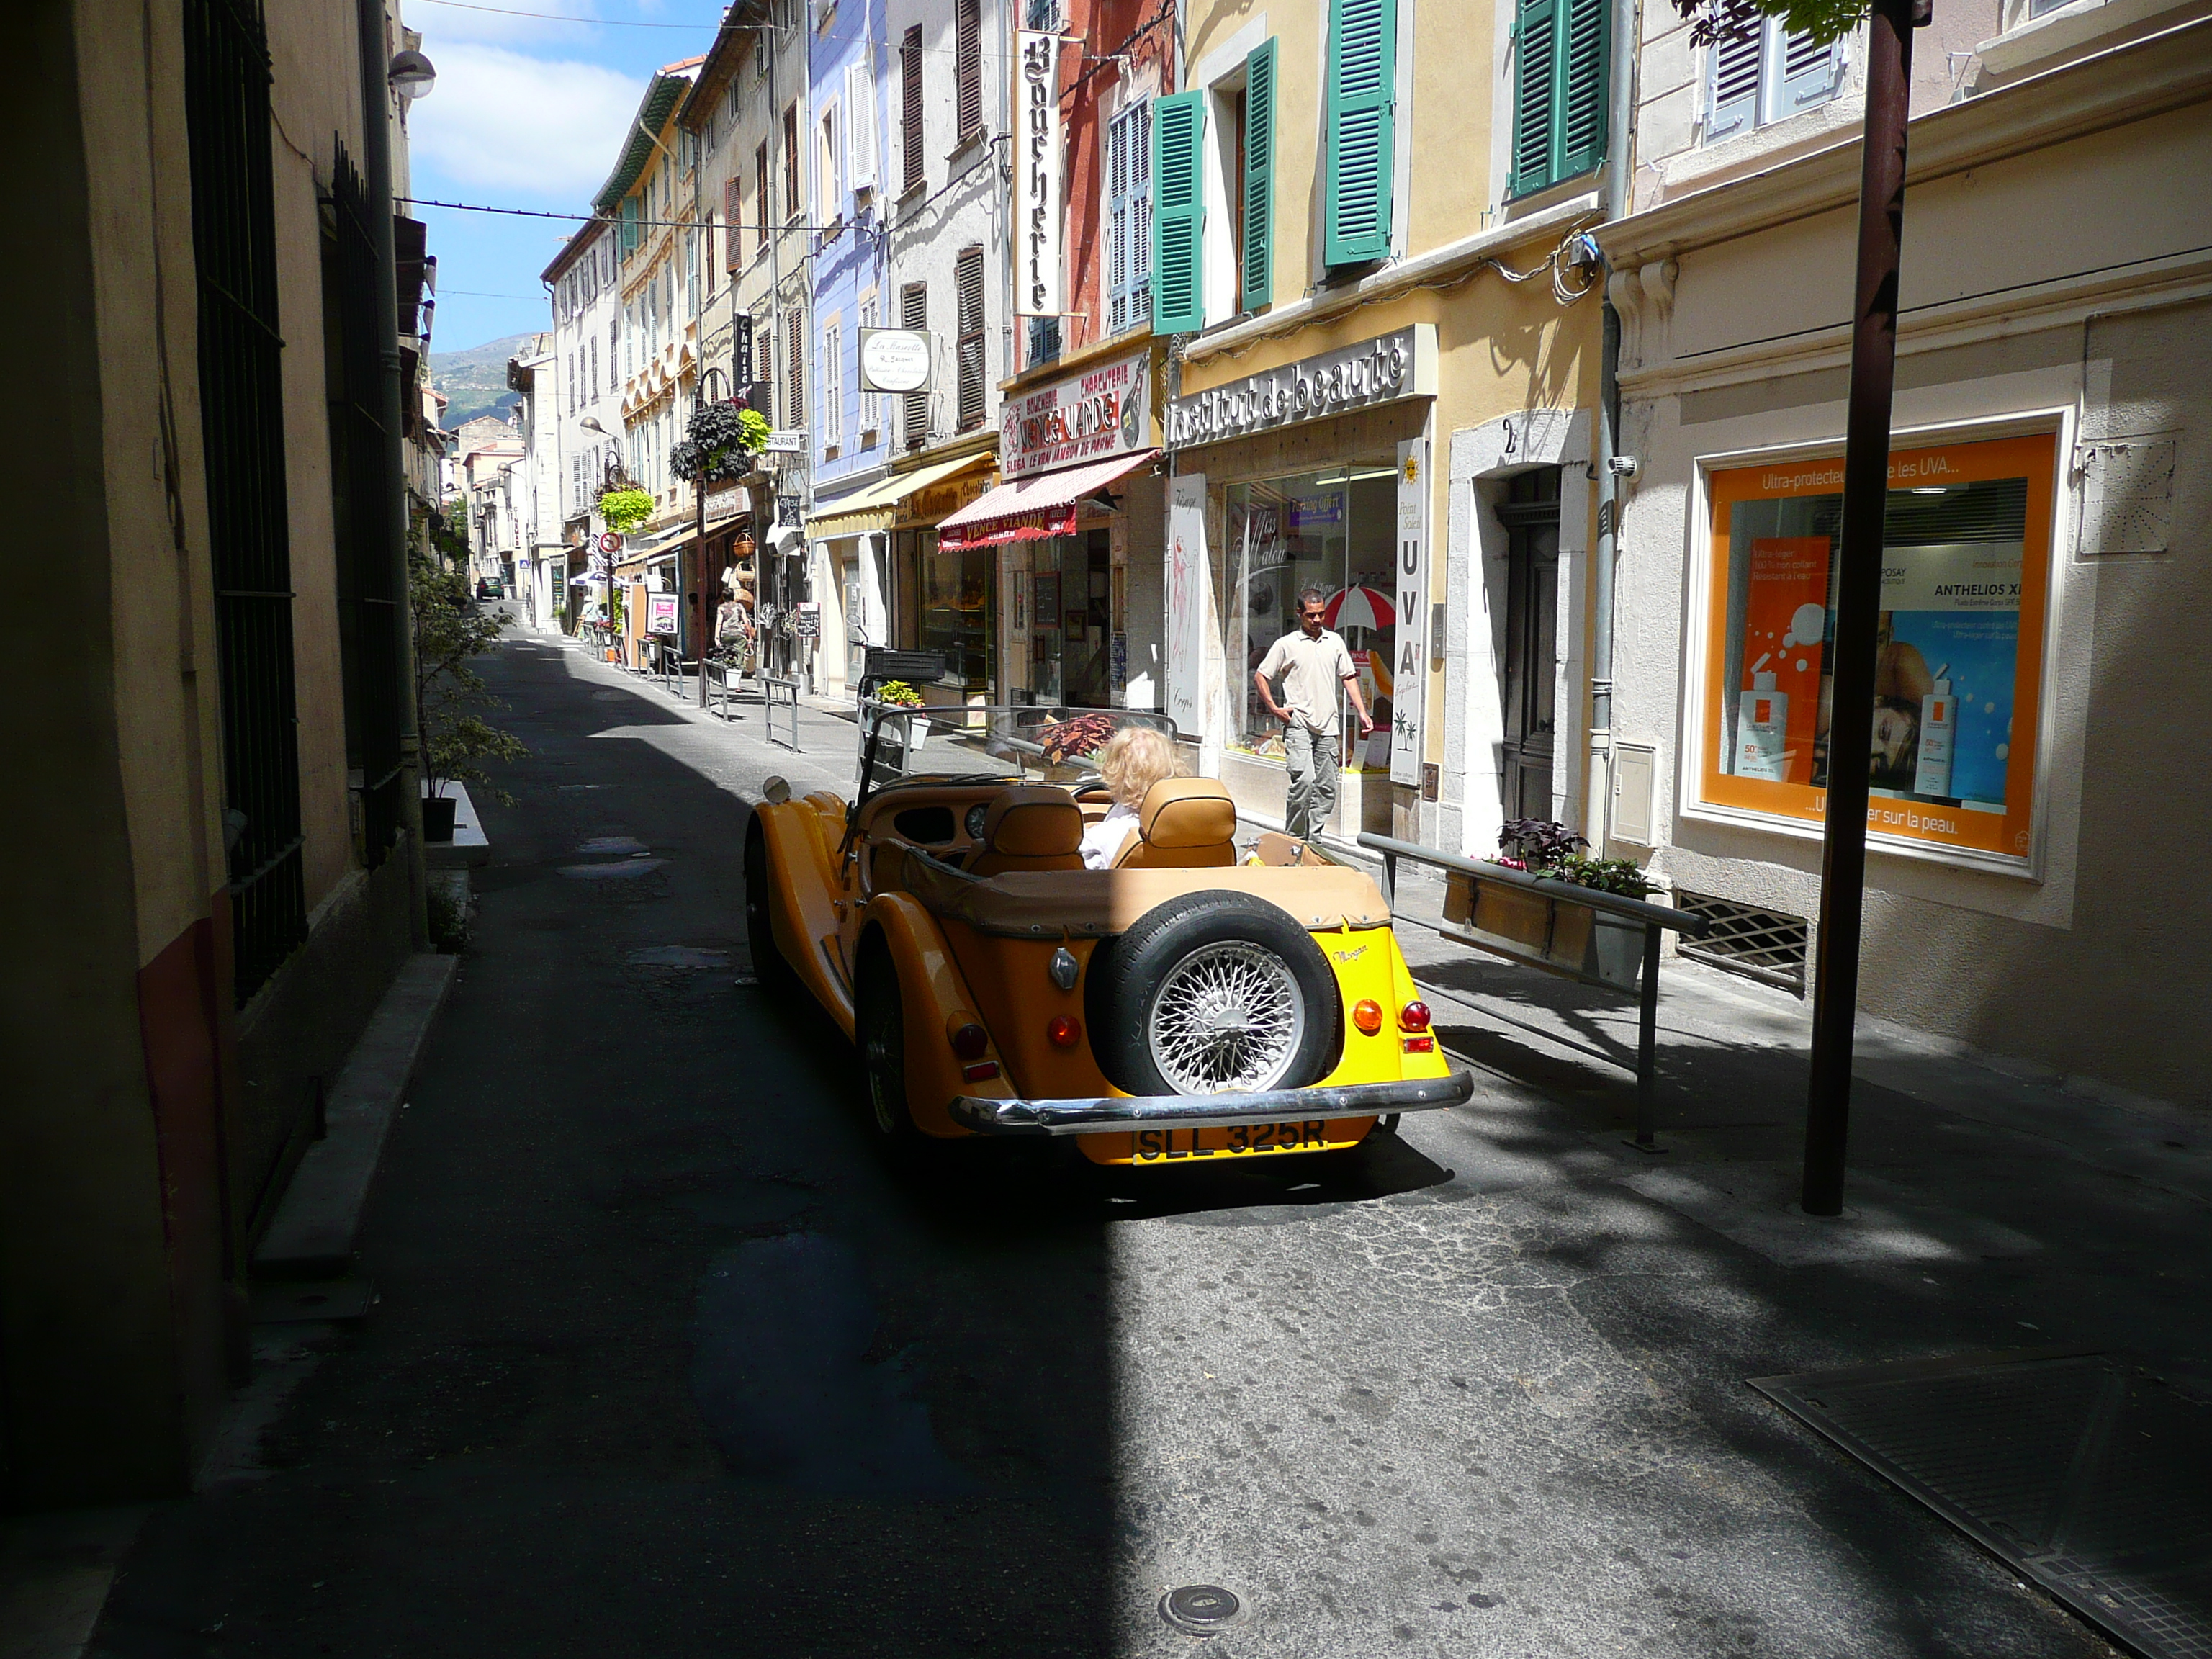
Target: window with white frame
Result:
[831, 418]
[871, 409]
[859, 126]
[1768, 77]
[828, 168]
[1129, 179]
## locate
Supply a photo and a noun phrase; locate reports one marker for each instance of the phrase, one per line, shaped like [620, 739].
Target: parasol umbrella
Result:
[1360, 607]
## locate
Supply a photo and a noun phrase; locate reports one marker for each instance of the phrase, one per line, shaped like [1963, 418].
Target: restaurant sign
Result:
[1090, 417]
[1339, 382]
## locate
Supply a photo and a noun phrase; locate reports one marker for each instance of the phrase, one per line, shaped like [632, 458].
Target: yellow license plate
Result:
[1245, 1140]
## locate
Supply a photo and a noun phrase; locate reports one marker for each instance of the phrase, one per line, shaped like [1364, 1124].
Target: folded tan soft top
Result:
[1044, 904]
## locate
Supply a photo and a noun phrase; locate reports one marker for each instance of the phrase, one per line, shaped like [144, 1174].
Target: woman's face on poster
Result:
[1896, 744]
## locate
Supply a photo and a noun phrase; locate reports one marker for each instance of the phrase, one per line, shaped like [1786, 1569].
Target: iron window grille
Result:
[1764, 945]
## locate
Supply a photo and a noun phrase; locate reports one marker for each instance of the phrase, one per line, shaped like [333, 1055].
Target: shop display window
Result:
[957, 613]
[1333, 529]
[1967, 551]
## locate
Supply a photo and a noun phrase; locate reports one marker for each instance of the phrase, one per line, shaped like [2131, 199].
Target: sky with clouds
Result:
[528, 111]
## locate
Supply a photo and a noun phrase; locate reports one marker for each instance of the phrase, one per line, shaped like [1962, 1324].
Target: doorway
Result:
[1530, 513]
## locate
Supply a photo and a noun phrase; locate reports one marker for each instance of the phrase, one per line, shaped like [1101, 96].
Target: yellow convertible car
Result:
[1167, 1001]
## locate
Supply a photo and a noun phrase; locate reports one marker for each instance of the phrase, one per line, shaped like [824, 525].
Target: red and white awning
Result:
[1031, 509]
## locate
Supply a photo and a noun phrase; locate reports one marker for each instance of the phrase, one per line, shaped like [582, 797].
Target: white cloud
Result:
[502, 120]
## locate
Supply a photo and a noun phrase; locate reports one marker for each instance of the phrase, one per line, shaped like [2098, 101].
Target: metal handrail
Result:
[1653, 919]
[780, 693]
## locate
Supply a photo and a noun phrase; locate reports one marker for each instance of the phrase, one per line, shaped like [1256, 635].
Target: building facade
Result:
[2044, 541]
[583, 281]
[1368, 224]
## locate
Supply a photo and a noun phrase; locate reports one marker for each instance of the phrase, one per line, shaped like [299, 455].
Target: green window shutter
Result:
[1363, 78]
[1178, 213]
[1535, 67]
[1259, 273]
[1581, 86]
[1560, 71]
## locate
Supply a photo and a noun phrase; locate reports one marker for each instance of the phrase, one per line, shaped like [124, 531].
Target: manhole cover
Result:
[2090, 1475]
[1201, 1609]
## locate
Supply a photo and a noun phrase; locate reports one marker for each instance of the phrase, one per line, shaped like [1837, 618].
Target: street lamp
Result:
[412, 76]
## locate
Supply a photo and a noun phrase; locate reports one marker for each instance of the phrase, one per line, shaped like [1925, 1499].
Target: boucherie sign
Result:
[1090, 418]
[1354, 377]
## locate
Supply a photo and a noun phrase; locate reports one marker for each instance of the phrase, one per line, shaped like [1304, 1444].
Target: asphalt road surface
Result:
[666, 1362]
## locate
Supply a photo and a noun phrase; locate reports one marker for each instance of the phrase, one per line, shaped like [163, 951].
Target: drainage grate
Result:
[1745, 939]
[2088, 1475]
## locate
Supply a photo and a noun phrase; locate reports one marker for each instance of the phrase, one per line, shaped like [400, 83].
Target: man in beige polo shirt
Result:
[1310, 665]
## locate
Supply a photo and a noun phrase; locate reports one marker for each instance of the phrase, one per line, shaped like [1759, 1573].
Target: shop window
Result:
[1966, 547]
[1770, 75]
[1330, 530]
[957, 611]
[1559, 91]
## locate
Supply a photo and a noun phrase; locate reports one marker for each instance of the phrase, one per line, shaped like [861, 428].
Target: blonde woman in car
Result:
[1134, 759]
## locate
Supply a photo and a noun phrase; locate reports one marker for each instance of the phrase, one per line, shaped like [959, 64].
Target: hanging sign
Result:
[1403, 364]
[741, 350]
[894, 360]
[1409, 667]
[1189, 585]
[1091, 417]
[1036, 174]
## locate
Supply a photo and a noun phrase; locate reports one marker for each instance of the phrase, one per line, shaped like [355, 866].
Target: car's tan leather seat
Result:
[1185, 823]
[1030, 827]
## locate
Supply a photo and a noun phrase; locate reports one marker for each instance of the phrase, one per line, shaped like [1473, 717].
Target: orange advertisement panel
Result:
[1966, 558]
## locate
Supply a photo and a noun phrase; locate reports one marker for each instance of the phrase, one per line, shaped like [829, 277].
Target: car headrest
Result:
[1187, 812]
[1034, 821]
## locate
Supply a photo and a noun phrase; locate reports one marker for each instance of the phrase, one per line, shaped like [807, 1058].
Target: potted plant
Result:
[898, 694]
[448, 633]
[1551, 927]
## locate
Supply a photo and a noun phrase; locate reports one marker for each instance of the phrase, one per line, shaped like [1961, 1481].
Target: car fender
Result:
[935, 999]
[801, 902]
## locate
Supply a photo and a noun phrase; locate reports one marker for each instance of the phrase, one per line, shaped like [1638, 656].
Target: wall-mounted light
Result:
[412, 76]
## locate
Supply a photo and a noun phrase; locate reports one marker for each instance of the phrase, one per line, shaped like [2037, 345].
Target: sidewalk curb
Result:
[318, 1220]
[55, 1573]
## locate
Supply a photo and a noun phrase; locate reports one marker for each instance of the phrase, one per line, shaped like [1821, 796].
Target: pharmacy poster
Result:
[1950, 644]
[1784, 645]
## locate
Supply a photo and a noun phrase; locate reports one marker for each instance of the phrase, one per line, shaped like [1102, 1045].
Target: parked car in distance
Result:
[1185, 1003]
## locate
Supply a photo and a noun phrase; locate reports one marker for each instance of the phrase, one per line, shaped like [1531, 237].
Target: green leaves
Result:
[623, 510]
[1823, 21]
[720, 441]
[448, 631]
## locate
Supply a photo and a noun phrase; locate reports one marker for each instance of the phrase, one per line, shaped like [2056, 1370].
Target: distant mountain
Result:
[475, 380]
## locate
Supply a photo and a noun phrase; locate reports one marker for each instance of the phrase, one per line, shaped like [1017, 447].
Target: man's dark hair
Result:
[1311, 596]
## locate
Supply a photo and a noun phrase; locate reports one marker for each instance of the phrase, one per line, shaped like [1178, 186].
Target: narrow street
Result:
[664, 1362]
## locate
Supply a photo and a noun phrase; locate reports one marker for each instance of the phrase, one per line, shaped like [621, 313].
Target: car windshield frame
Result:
[1010, 733]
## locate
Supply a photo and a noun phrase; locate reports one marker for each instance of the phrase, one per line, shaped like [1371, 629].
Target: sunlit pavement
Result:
[666, 1362]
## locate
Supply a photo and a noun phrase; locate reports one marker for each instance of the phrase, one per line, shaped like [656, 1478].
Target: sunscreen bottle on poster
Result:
[1939, 728]
[1762, 728]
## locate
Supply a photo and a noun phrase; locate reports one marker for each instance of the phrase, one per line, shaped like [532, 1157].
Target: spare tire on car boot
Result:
[1213, 991]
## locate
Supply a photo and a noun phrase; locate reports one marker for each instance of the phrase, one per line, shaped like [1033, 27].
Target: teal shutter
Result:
[1178, 213]
[1535, 65]
[1581, 87]
[1560, 71]
[1259, 273]
[1363, 76]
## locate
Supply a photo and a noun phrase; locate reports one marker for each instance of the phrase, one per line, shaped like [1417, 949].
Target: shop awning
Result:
[876, 508]
[1033, 508]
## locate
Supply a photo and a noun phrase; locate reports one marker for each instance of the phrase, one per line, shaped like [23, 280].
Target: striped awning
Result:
[876, 507]
[1031, 509]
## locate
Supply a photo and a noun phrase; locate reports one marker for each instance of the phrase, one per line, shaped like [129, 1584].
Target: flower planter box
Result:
[1545, 929]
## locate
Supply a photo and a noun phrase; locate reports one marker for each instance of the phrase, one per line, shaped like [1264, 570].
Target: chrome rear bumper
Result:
[1119, 1114]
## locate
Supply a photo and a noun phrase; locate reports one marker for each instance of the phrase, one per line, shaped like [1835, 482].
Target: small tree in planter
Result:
[448, 633]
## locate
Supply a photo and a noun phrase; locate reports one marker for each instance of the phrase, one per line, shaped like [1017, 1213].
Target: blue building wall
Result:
[848, 267]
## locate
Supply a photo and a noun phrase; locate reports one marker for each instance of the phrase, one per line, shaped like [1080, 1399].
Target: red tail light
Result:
[1065, 1033]
[981, 1071]
[1414, 1016]
[1419, 1045]
[1367, 1015]
[971, 1042]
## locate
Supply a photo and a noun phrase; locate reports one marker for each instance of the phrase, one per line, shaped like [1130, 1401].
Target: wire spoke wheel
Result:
[1228, 1015]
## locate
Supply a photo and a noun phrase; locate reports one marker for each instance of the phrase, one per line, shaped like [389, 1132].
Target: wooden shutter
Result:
[1535, 65]
[861, 125]
[791, 180]
[1178, 213]
[968, 67]
[967, 289]
[914, 314]
[910, 106]
[1581, 86]
[1259, 249]
[1808, 73]
[1362, 74]
[1118, 222]
[1732, 89]
[733, 213]
[794, 373]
